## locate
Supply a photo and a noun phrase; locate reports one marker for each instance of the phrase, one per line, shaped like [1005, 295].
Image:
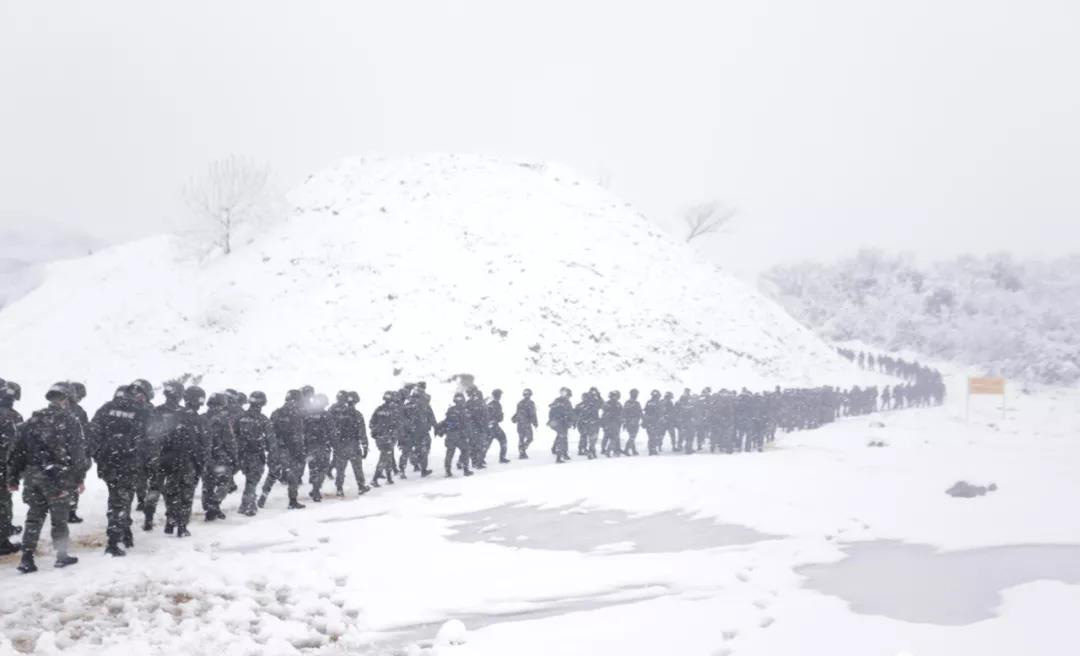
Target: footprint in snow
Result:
[743, 576]
[766, 622]
[730, 635]
[762, 604]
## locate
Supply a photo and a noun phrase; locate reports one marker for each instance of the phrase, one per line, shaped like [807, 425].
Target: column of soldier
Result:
[146, 454]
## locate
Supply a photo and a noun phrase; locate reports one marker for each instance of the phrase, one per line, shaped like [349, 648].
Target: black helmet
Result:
[59, 391]
[257, 398]
[353, 399]
[422, 385]
[18, 389]
[241, 398]
[668, 395]
[707, 391]
[496, 393]
[145, 388]
[459, 398]
[171, 389]
[655, 394]
[527, 393]
[7, 391]
[613, 395]
[633, 393]
[566, 392]
[342, 397]
[80, 391]
[307, 391]
[120, 393]
[293, 395]
[217, 400]
[194, 395]
[388, 396]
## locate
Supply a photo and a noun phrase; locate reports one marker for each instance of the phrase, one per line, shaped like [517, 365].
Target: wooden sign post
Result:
[985, 385]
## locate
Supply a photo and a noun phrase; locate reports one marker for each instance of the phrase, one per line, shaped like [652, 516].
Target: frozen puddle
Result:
[917, 583]
[573, 528]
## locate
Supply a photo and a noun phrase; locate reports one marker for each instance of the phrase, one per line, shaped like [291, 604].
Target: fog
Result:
[936, 126]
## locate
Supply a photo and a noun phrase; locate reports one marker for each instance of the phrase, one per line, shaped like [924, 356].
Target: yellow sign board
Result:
[986, 385]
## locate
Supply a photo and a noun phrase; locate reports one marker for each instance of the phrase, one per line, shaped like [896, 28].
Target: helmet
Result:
[496, 393]
[145, 388]
[257, 399]
[668, 395]
[342, 397]
[565, 392]
[80, 391]
[353, 399]
[613, 395]
[459, 398]
[388, 396]
[217, 400]
[307, 391]
[633, 393]
[422, 385]
[707, 391]
[60, 391]
[120, 393]
[655, 394]
[18, 389]
[194, 395]
[241, 398]
[293, 396]
[7, 391]
[171, 389]
[527, 393]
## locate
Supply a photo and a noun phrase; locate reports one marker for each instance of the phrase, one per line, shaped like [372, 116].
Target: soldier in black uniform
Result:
[525, 420]
[183, 458]
[255, 435]
[419, 420]
[48, 453]
[684, 423]
[587, 419]
[147, 450]
[669, 422]
[222, 457]
[611, 420]
[117, 430]
[385, 422]
[561, 420]
[10, 420]
[494, 419]
[320, 433]
[80, 393]
[631, 422]
[163, 421]
[352, 444]
[477, 428]
[456, 429]
[289, 456]
[653, 422]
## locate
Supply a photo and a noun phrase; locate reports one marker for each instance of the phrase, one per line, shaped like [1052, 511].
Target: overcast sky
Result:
[929, 125]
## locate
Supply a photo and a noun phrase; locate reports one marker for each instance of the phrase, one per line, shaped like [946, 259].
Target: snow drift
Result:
[410, 269]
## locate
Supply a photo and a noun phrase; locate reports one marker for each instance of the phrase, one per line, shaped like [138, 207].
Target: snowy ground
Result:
[615, 557]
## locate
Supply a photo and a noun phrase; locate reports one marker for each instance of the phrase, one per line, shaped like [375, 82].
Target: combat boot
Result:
[129, 539]
[114, 550]
[182, 532]
[262, 500]
[8, 548]
[316, 496]
[340, 493]
[26, 565]
[148, 522]
[295, 505]
[63, 560]
[169, 527]
[74, 518]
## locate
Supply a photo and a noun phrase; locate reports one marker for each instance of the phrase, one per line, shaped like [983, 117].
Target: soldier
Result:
[494, 418]
[456, 428]
[699, 421]
[385, 424]
[684, 423]
[48, 453]
[477, 428]
[320, 433]
[289, 454]
[117, 430]
[255, 434]
[668, 422]
[352, 444]
[183, 457]
[419, 420]
[406, 443]
[525, 420]
[561, 420]
[84, 421]
[10, 420]
[886, 398]
[587, 419]
[611, 421]
[653, 422]
[222, 457]
[146, 450]
[163, 421]
[631, 421]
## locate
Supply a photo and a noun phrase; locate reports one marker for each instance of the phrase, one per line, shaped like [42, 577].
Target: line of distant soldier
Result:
[147, 454]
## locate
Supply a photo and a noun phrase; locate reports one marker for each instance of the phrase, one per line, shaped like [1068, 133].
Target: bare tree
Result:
[233, 192]
[706, 217]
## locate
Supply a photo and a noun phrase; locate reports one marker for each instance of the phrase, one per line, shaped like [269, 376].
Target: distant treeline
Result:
[1016, 318]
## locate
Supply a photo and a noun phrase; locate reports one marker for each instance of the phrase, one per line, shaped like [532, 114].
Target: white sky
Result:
[930, 125]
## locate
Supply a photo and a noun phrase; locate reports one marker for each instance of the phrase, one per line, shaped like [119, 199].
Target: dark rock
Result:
[966, 490]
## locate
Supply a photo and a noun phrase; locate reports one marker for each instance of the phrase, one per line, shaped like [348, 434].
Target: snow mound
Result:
[416, 269]
[452, 632]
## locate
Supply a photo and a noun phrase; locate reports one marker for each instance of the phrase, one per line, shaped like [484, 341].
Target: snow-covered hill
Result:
[409, 269]
[26, 244]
